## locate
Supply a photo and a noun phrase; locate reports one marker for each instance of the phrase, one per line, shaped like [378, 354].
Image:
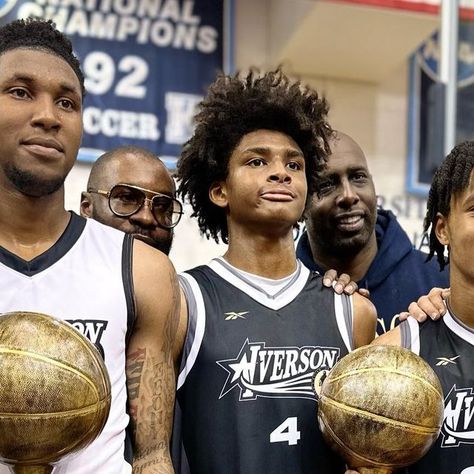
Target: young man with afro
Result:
[260, 324]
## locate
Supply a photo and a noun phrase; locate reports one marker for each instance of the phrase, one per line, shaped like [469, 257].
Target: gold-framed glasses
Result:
[127, 199]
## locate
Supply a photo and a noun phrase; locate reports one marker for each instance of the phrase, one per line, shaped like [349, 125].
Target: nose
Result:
[279, 173]
[46, 113]
[144, 216]
[347, 196]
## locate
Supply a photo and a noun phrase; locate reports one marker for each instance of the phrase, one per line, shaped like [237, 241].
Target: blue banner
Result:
[426, 107]
[147, 63]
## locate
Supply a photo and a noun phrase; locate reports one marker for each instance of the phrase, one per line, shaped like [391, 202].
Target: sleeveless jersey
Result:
[85, 279]
[448, 347]
[245, 402]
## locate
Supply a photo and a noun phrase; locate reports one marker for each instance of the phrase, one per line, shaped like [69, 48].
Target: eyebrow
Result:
[27, 79]
[349, 170]
[469, 199]
[262, 150]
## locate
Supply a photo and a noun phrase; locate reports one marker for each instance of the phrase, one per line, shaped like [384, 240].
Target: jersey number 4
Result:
[286, 432]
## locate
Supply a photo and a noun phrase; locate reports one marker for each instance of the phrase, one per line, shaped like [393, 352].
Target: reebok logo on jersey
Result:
[260, 371]
[458, 424]
[234, 315]
[446, 360]
[92, 329]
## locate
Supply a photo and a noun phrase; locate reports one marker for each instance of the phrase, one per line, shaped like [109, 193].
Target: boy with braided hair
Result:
[448, 344]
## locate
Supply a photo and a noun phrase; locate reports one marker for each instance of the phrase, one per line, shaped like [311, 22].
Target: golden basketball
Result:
[380, 408]
[55, 391]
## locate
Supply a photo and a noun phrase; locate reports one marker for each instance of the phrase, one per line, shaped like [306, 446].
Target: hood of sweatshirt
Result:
[392, 242]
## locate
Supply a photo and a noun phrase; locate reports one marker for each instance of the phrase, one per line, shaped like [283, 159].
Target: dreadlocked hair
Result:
[233, 107]
[451, 178]
[34, 33]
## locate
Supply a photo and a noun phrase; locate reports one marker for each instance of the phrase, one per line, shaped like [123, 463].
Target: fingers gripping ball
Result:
[55, 391]
[381, 407]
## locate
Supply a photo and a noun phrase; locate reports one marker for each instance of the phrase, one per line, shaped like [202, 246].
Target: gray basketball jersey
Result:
[245, 402]
[85, 279]
[448, 347]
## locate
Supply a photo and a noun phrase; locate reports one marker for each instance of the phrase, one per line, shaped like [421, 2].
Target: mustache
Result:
[147, 231]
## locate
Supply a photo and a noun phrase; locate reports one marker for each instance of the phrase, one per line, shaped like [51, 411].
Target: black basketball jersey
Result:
[245, 402]
[448, 347]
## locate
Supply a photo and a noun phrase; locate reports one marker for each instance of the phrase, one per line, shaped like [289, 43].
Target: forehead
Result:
[266, 139]
[39, 66]
[142, 172]
[345, 155]
[466, 194]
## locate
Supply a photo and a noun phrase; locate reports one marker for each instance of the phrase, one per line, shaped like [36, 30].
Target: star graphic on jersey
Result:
[242, 367]
[234, 315]
[446, 360]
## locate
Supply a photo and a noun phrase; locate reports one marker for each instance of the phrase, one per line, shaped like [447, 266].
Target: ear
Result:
[218, 194]
[442, 229]
[86, 205]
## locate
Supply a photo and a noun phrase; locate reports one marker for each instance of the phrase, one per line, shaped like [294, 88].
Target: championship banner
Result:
[147, 63]
[426, 106]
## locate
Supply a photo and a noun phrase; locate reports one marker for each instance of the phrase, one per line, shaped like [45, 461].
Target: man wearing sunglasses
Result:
[130, 189]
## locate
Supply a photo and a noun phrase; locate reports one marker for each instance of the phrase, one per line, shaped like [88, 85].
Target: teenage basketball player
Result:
[448, 344]
[121, 293]
[260, 323]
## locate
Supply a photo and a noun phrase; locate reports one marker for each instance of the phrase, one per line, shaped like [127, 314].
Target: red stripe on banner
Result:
[423, 7]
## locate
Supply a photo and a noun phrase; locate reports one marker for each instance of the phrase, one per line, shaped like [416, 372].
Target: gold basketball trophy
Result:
[55, 392]
[380, 408]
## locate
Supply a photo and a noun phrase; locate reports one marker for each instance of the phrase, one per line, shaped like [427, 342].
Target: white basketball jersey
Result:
[85, 278]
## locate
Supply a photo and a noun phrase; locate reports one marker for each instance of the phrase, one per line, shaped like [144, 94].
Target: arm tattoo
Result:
[134, 369]
[172, 319]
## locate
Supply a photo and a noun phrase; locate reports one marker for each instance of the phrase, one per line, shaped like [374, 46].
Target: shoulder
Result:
[155, 283]
[365, 320]
[150, 261]
[363, 305]
[390, 338]
[196, 270]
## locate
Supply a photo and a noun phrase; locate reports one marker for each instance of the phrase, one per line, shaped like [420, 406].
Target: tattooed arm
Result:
[150, 365]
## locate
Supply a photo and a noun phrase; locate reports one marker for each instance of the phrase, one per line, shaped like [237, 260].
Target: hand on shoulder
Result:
[343, 284]
[431, 305]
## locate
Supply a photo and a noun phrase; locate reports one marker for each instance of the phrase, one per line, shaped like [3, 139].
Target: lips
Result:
[278, 194]
[47, 147]
[353, 222]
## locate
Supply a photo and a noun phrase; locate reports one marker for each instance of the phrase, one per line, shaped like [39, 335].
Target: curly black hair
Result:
[35, 33]
[451, 178]
[235, 106]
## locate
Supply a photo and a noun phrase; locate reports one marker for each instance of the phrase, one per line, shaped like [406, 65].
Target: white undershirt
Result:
[269, 285]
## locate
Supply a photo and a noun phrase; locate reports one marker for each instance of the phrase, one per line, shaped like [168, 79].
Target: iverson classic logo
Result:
[458, 424]
[260, 371]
